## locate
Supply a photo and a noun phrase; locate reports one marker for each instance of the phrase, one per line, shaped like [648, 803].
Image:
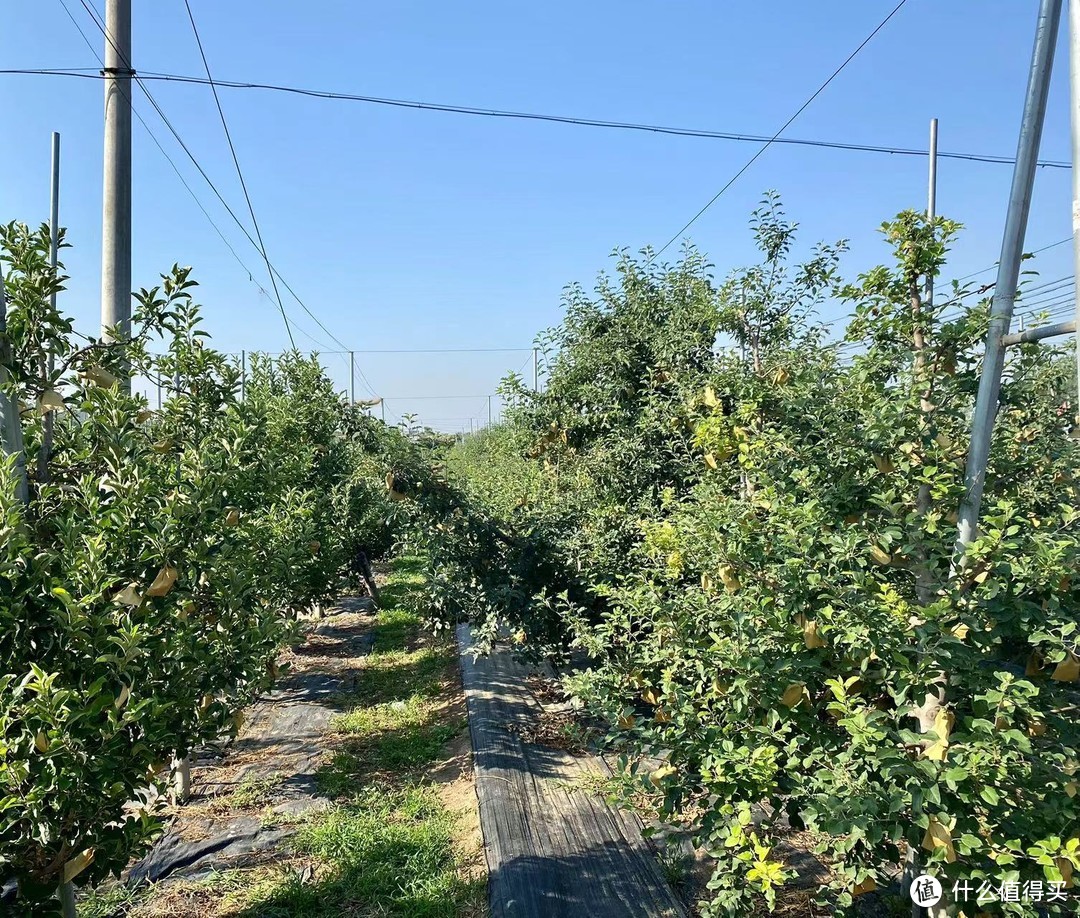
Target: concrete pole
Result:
[489, 411]
[1012, 249]
[352, 377]
[382, 409]
[116, 204]
[1074, 102]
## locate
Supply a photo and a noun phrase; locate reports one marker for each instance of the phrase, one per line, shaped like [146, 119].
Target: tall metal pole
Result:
[1012, 249]
[116, 203]
[931, 202]
[352, 377]
[382, 409]
[489, 411]
[931, 197]
[536, 370]
[54, 211]
[54, 257]
[1074, 101]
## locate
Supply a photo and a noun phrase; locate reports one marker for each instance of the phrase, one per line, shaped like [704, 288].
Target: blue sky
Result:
[410, 229]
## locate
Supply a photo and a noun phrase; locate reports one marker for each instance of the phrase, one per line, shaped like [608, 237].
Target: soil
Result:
[249, 795]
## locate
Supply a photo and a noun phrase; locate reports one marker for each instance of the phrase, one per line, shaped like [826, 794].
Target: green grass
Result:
[391, 849]
[389, 844]
[387, 848]
[396, 675]
[400, 590]
[394, 721]
[406, 748]
[249, 793]
[675, 865]
[105, 903]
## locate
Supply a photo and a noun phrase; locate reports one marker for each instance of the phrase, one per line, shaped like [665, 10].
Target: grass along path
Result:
[402, 838]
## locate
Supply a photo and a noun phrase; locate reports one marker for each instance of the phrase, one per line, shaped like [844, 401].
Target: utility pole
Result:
[489, 411]
[352, 377]
[536, 369]
[382, 409]
[116, 203]
[1012, 248]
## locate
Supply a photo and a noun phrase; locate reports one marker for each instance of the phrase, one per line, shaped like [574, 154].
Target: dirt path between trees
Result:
[348, 790]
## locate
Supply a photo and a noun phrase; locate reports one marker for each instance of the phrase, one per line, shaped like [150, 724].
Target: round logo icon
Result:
[925, 890]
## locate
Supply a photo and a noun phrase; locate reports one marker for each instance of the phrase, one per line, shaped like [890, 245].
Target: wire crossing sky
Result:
[83, 73]
[429, 234]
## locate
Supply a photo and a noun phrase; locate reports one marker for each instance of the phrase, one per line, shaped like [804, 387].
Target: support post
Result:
[911, 863]
[66, 894]
[489, 411]
[11, 435]
[181, 779]
[1012, 247]
[352, 377]
[382, 409]
[116, 203]
[54, 210]
[49, 420]
[1074, 104]
[536, 369]
[1039, 333]
[931, 200]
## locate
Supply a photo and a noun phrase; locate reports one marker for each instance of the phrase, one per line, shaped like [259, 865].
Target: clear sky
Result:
[405, 229]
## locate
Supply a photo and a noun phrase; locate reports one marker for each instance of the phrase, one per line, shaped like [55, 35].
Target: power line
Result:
[521, 369]
[1033, 252]
[431, 350]
[556, 119]
[187, 150]
[783, 128]
[239, 171]
[1056, 282]
[440, 350]
[1061, 305]
[1056, 293]
[180, 176]
[408, 398]
[363, 377]
[955, 307]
